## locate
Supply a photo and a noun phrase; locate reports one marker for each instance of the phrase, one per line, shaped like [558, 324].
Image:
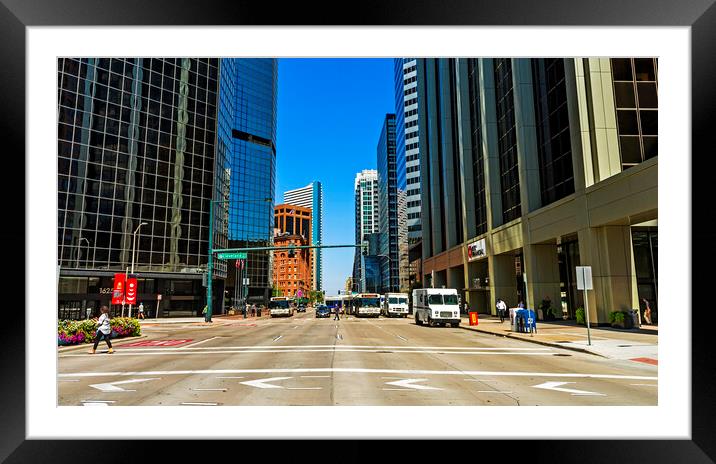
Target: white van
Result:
[395, 304]
[436, 306]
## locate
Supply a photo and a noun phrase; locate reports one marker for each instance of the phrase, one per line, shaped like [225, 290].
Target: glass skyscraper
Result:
[136, 144]
[388, 207]
[247, 133]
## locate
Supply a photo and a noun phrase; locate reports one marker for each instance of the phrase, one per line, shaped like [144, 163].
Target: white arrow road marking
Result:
[111, 387]
[209, 389]
[554, 386]
[409, 384]
[261, 383]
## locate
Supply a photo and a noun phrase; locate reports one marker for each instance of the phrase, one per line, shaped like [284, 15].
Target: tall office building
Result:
[408, 141]
[136, 154]
[403, 247]
[311, 196]
[366, 220]
[388, 207]
[247, 135]
[531, 167]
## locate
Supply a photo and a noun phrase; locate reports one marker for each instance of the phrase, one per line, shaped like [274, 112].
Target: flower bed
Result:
[76, 332]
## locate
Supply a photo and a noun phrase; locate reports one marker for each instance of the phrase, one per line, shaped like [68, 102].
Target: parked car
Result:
[323, 311]
[301, 308]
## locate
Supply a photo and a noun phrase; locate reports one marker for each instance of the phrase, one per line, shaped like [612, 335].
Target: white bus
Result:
[436, 306]
[395, 304]
[281, 306]
[366, 304]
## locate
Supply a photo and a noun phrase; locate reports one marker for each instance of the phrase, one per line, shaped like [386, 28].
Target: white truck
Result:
[436, 306]
[395, 304]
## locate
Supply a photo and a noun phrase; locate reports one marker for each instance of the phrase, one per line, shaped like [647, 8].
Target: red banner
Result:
[131, 291]
[118, 292]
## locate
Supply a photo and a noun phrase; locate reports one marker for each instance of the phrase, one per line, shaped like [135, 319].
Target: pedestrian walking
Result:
[104, 330]
[501, 309]
[337, 316]
[647, 311]
[140, 311]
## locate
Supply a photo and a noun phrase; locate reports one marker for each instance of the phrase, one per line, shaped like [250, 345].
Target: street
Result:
[302, 360]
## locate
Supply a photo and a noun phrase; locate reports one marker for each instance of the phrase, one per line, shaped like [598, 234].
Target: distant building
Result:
[388, 207]
[291, 274]
[349, 285]
[311, 196]
[366, 218]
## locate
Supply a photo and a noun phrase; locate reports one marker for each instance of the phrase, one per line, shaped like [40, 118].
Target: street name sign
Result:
[584, 278]
[239, 255]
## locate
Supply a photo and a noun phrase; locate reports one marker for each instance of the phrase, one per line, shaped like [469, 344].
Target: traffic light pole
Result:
[210, 263]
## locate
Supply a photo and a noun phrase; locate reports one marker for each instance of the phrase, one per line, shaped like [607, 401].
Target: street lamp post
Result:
[134, 244]
[79, 246]
[210, 264]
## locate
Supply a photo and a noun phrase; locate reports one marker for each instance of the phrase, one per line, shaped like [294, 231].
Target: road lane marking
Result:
[348, 370]
[262, 383]
[197, 343]
[68, 380]
[199, 404]
[402, 338]
[230, 377]
[339, 336]
[209, 389]
[282, 347]
[113, 388]
[96, 402]
[644, 384]
[492, 391]
[277, 338]
[410, 383]
[555, 386]
[316, 376]
[337, 349]
[305, 388]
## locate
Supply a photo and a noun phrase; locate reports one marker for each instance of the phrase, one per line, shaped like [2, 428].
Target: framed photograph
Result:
[637, 46]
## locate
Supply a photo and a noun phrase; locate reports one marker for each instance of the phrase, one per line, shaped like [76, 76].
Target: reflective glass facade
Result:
[247, 132]
[136, 143]
[507, 140]
[388, 206]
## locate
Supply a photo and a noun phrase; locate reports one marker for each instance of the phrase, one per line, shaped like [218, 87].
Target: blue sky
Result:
[330, 114]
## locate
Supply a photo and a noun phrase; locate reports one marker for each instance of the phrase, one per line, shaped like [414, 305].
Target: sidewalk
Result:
[640, 344]
[199, 320]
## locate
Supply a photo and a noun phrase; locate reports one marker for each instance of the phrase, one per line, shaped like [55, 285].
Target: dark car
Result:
[301, 308]
[323, 311]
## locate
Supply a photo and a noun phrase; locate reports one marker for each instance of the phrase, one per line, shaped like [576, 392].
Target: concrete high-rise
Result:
[531, 167]
[311, 196]
[367, 220]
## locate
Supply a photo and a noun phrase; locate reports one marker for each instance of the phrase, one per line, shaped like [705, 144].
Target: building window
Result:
[507, 140]
[636, 102]
[478, 167]
[554, 144]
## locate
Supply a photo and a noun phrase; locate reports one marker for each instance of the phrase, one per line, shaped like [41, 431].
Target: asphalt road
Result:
[302, 360]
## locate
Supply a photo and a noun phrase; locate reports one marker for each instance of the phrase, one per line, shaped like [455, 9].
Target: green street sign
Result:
[241, 255]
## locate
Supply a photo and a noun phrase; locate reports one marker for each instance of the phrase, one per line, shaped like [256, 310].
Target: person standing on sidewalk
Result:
[140, 311]
[104, 330]
[647, 311]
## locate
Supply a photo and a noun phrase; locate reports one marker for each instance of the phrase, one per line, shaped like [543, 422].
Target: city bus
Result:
[333, 302]
[436, 306]
[281, 306]
[395, 304]
[366, 304]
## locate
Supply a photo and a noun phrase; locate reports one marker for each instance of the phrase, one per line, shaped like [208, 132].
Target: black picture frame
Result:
[699, 15]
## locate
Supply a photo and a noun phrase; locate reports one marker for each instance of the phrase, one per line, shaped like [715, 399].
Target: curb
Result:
[63, 349]
[538, 342]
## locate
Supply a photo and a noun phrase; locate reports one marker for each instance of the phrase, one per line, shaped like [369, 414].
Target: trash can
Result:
[513, 319]
[526, 322]
[473, 318]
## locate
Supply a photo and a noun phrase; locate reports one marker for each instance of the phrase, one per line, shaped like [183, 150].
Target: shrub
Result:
[616, 318]
[579, 313]
[75, 332]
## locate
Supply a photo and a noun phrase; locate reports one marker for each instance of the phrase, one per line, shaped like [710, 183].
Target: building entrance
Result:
[645, 246]
[571, 298]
